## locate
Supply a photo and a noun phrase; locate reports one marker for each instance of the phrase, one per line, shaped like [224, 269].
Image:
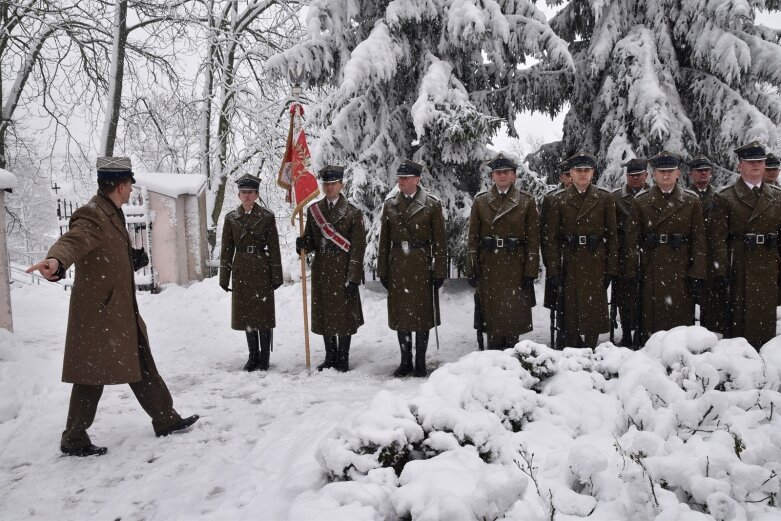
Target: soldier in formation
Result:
[503, 255]
[624, 292]
[772, 165]
[744, 231]
[250, 258]
[565, 180]
[412, 264]
[666, 249]
[335, 233]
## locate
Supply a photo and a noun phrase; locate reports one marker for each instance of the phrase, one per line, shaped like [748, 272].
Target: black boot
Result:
[265, 348]
[254, 351]
[343, 354]
[421, 343]
[330, 353]
[405, 344]
[626, 338]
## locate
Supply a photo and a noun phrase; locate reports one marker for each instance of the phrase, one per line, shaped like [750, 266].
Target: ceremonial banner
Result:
[295, 173]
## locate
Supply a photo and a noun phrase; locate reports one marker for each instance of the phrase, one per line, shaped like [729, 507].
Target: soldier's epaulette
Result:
[724, 188]
[391, 195]
[481, 192]
[263, 209]
[432, 196]
[603, 189]
[616, 189]
[527, 194]
[691, 192]
[774, 187]
[644, 191]
[559, 191]
[553, 190]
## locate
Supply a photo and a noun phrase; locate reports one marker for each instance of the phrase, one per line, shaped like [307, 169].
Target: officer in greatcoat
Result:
[772, 165]
[335, 233]
[412, 264]
[666, 249]
[624, 290]
[745, 227]
[711, 299]
[583, 260]
[565, 180]
[107, 341]
[250, 257]
[503, 254]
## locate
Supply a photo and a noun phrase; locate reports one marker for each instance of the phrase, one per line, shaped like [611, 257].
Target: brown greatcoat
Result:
[711, 300]
[666, 269]
[549, 300]
[250, 257]
[409, 272]
[105, 330]
[624, 290]
[506, 305]
[753, 271]
[584, 268]
[333, 312]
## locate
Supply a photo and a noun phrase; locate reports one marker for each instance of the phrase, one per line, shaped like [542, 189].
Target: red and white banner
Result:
[295, 174]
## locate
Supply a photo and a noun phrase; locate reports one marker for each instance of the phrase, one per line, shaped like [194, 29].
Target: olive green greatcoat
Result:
[409, 273]
[549, 300]
[753, 272]
[591, 214]
[506, 305]
[711, 300]
[105, 329]
[667, 301]
[254, 273]
[334, 312]
[624, 290]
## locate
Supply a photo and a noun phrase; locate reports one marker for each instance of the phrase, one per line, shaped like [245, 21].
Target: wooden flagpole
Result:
[302, 254]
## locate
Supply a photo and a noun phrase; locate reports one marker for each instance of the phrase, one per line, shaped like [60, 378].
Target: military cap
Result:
[248, 182]
[502, 162]
[700, 163]
[582, 160]
[564, 167]
[753, 151]
[665, 160]
[772, 161]
[409, 168]
[331, 173]
[114, 169]
[636, 166]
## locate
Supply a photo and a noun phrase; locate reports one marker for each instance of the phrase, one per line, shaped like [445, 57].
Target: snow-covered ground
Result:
[267, 441]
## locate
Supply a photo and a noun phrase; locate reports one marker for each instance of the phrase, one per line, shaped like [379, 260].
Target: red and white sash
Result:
[328, 230]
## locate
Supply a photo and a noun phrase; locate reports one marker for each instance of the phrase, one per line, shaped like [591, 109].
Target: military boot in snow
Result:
[421, 344]
[330, 353]
[265, 349]
[405, 344]
[254, 351]
[343, 354]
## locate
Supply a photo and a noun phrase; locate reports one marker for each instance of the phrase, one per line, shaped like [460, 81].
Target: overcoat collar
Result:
[255, 212]
[503, 207]
[339, 211]
[747, 197]
[583, 204]
[417, 203]
[666, 206]
[115, 214]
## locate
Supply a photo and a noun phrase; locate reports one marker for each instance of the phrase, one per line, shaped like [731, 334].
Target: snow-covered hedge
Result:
[684, 429]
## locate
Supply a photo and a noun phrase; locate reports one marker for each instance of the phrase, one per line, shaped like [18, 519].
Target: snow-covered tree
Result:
[430, 80]
[692, 76]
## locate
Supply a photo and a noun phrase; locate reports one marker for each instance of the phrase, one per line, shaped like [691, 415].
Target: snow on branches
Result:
[684, 429]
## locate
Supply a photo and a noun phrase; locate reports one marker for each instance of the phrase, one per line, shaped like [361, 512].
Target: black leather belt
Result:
[675, 240]
[753, 240]
[583, 241]
[407, 245]
[255, 250]
[508, 244]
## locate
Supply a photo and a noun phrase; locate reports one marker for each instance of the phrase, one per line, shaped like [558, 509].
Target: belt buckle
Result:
[499, 242]
[250, 249]
[405, 245]
[760, 238]
[582, 240]
[663, 239]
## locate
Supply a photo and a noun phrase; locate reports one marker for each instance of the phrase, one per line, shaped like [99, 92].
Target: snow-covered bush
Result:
[684, 429]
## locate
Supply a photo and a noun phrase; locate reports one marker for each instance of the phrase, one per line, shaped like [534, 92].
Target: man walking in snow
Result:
[335, 233]
[624, 291]
[503, 254]
[107, 341]
[666, 249]
[412, 264]
[582, 260]
[745, 248]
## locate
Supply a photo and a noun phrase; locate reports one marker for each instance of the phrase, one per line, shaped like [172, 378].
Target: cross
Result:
[56, 188]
